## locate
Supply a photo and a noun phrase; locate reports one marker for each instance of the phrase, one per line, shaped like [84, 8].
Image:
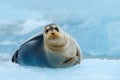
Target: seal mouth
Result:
[52, 35]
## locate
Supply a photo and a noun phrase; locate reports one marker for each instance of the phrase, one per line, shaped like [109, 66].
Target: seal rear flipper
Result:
[15, 57]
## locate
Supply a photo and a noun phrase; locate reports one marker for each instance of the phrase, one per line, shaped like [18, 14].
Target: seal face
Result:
[51, 32]
[53, 48]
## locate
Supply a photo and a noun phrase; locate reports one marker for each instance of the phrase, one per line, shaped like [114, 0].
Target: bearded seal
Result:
[52, 48]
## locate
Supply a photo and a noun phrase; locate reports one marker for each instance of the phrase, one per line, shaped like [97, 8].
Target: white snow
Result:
[90, 69]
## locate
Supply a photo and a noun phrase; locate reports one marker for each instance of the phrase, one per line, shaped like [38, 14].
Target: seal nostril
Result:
[52, 33]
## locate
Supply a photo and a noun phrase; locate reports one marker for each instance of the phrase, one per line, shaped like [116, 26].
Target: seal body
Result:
[53, 48]
[31, 53]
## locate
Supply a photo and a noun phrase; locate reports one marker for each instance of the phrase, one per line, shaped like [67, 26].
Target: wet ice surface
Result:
[90, 69]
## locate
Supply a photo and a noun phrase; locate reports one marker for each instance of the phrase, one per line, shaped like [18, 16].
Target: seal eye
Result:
[46, 31]
[56, 29]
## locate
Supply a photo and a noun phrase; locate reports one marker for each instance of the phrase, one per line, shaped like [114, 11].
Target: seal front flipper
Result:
[15, 57]
[69, 60]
